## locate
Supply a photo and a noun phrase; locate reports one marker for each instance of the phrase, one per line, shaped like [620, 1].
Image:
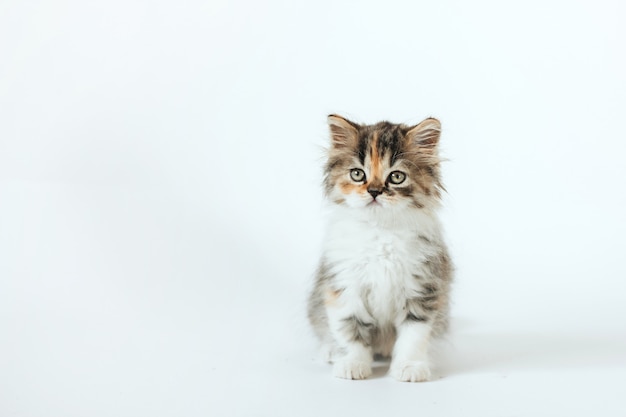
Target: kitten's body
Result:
[383, 281]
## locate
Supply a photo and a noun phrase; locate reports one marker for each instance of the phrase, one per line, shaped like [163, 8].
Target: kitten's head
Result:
[383, 166]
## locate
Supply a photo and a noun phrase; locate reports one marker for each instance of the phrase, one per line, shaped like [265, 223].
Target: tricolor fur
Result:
[383, 281]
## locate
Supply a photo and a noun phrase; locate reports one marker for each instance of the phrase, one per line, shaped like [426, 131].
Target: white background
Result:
[161, 210]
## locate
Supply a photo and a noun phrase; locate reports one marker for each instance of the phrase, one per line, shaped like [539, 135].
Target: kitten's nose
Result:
[374, 192]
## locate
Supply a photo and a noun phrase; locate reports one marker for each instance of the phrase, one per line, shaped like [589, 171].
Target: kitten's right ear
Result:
[343, 132]
[426, 134]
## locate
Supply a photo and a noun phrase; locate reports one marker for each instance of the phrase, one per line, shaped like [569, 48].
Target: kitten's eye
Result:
[357, 175]
[397, 177]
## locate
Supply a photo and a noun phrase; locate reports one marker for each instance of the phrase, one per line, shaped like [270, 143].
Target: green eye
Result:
[357, 175]
[397, 177]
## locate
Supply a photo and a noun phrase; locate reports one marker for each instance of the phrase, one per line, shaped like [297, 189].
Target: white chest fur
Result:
[376, 256]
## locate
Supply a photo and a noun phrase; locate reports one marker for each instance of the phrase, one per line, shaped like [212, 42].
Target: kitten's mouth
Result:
[374, 203]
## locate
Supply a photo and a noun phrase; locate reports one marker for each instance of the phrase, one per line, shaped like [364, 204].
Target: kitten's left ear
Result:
[426, 134]
[343, 132]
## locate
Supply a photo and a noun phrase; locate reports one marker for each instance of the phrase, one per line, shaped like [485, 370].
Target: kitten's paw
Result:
[410, 371]
[351, 369]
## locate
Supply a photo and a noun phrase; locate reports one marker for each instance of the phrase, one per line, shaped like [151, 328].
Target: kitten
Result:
[383, 281]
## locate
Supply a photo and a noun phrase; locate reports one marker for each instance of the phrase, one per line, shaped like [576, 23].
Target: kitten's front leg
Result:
[409, 361]
[352, 330]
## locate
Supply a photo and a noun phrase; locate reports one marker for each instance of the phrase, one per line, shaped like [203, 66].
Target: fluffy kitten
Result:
[383, 281]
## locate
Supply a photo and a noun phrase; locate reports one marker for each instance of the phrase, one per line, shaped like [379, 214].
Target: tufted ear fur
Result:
[343, 132]
[425, 134]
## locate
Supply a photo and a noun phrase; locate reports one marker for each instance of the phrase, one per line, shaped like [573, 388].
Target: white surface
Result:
[160, 207]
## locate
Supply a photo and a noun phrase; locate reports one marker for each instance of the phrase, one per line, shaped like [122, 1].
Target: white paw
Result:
[410, 371]
[351, 369]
